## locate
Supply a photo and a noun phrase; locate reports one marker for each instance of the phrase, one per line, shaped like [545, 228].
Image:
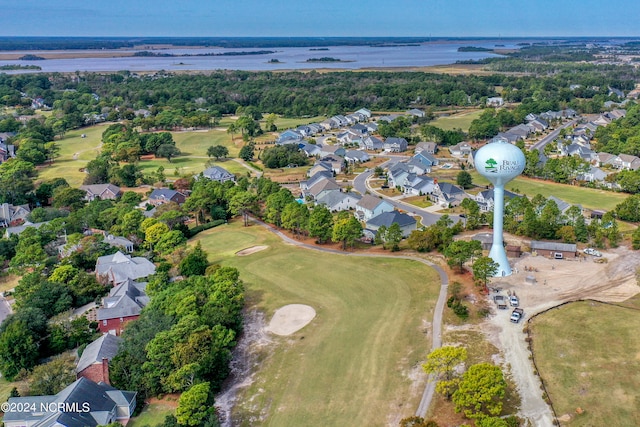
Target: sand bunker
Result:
[251, 250]
[291, 318]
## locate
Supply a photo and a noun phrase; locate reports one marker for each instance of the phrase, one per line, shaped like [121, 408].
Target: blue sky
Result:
[216, 18]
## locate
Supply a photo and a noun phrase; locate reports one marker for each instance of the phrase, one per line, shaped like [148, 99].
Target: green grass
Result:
[461, 120]
[349, 366]
[605, 382]
[67, 165]
[152, 415]
[284, 123]
[589, 198]
[5, 388]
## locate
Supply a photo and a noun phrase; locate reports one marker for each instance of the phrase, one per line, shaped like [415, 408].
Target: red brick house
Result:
[94, 362]
[124, 303]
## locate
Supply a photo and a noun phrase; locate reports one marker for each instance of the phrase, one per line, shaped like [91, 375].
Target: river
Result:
[351, 57]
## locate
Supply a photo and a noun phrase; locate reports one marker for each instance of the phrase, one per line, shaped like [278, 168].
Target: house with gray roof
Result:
[373, 143]
[13, 215]
[415, 112]
[356, 156]
[406, 222]
[426, 159]
[124, 304]
[18, 229]
[311, 150]
[370, 206]
[594, 174]
[395, 145]
[327, 150]
[446, 194]
[371, 127]
[289, 136]
[83, 403]
[94, 362]
[220, 174]
[101, 191]
[338, 201]
[161, 196]
[495, 101]
[485, 199]
[119, 268]
[365, 112]
[317, 177]
[6, 152]
[626, 162]
[562, 205]
[461, 149]
[319, 189]
[320, 166]
[335, 162]
[429, 147]
[418, 185]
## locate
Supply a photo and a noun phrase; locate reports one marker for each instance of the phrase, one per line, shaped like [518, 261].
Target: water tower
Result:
[499, 162]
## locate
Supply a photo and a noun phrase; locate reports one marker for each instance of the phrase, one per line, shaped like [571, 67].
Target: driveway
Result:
[549, 138]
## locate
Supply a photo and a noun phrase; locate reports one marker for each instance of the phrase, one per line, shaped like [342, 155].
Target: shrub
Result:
[197, 229]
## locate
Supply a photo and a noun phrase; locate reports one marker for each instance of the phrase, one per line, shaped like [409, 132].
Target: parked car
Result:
[514, 301]
[517, 314]
[593, 252]
[500, 301]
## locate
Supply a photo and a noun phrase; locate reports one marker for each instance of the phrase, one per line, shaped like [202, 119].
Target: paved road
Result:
[436, 324]
[360, 185]
[549, 138]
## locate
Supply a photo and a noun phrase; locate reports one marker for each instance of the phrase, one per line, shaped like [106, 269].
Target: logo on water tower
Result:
[491, 165]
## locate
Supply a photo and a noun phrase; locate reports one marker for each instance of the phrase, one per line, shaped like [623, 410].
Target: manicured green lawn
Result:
[284, 123]
[588, 356]
[350, 365]
[461, 120]
[152, 415]
[589, 198]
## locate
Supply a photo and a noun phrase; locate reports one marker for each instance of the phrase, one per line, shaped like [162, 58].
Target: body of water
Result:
[355, 57]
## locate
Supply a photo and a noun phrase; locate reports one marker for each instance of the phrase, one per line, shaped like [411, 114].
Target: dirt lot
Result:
[556, 282]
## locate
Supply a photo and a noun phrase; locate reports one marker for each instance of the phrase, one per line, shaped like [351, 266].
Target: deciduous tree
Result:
[442, 362]
[481, 391]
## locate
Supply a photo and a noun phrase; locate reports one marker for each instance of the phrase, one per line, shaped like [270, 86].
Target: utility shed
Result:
[514, 251]
[554, 249]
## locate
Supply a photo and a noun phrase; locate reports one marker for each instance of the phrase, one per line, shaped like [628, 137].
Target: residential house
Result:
[356, 156]
[335, 162]
[320, 166]
[579, 151]
[495, 101]
[461, 149]
[18, 229]
[338, 201]
[161, 196]
[118, 242]
[289, 136]
[355, 118]
[83, 403]
[418, 185]
[349, 137]
[328, 150]
[359, 129]
[373, 144]
[406, 222]
[604, 159]
[124, 304]
[539, 124]
[428, 147]
[11, 215]
[426, 159]
[119, 268]
[370, 206]
[397, 173]
[415, 112]
[616, 92]
[447, 194]
[485, 199]
[626, 162]
[416, 166]
[321, 188]
[365, 112]
[562, 205]
[320, 175]
[371, 127]
[6, 152]
[395, 145]
[311, 150]
[220, 174]
[388, 118]
[94, 362]
[101, 191]
[594, 174]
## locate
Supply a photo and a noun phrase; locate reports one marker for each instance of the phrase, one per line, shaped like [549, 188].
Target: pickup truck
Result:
[513, 300]
[517, 315]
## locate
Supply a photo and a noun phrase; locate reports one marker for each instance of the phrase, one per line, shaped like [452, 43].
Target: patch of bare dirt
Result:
[251, 250]
[243, 364]
[542, 283]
